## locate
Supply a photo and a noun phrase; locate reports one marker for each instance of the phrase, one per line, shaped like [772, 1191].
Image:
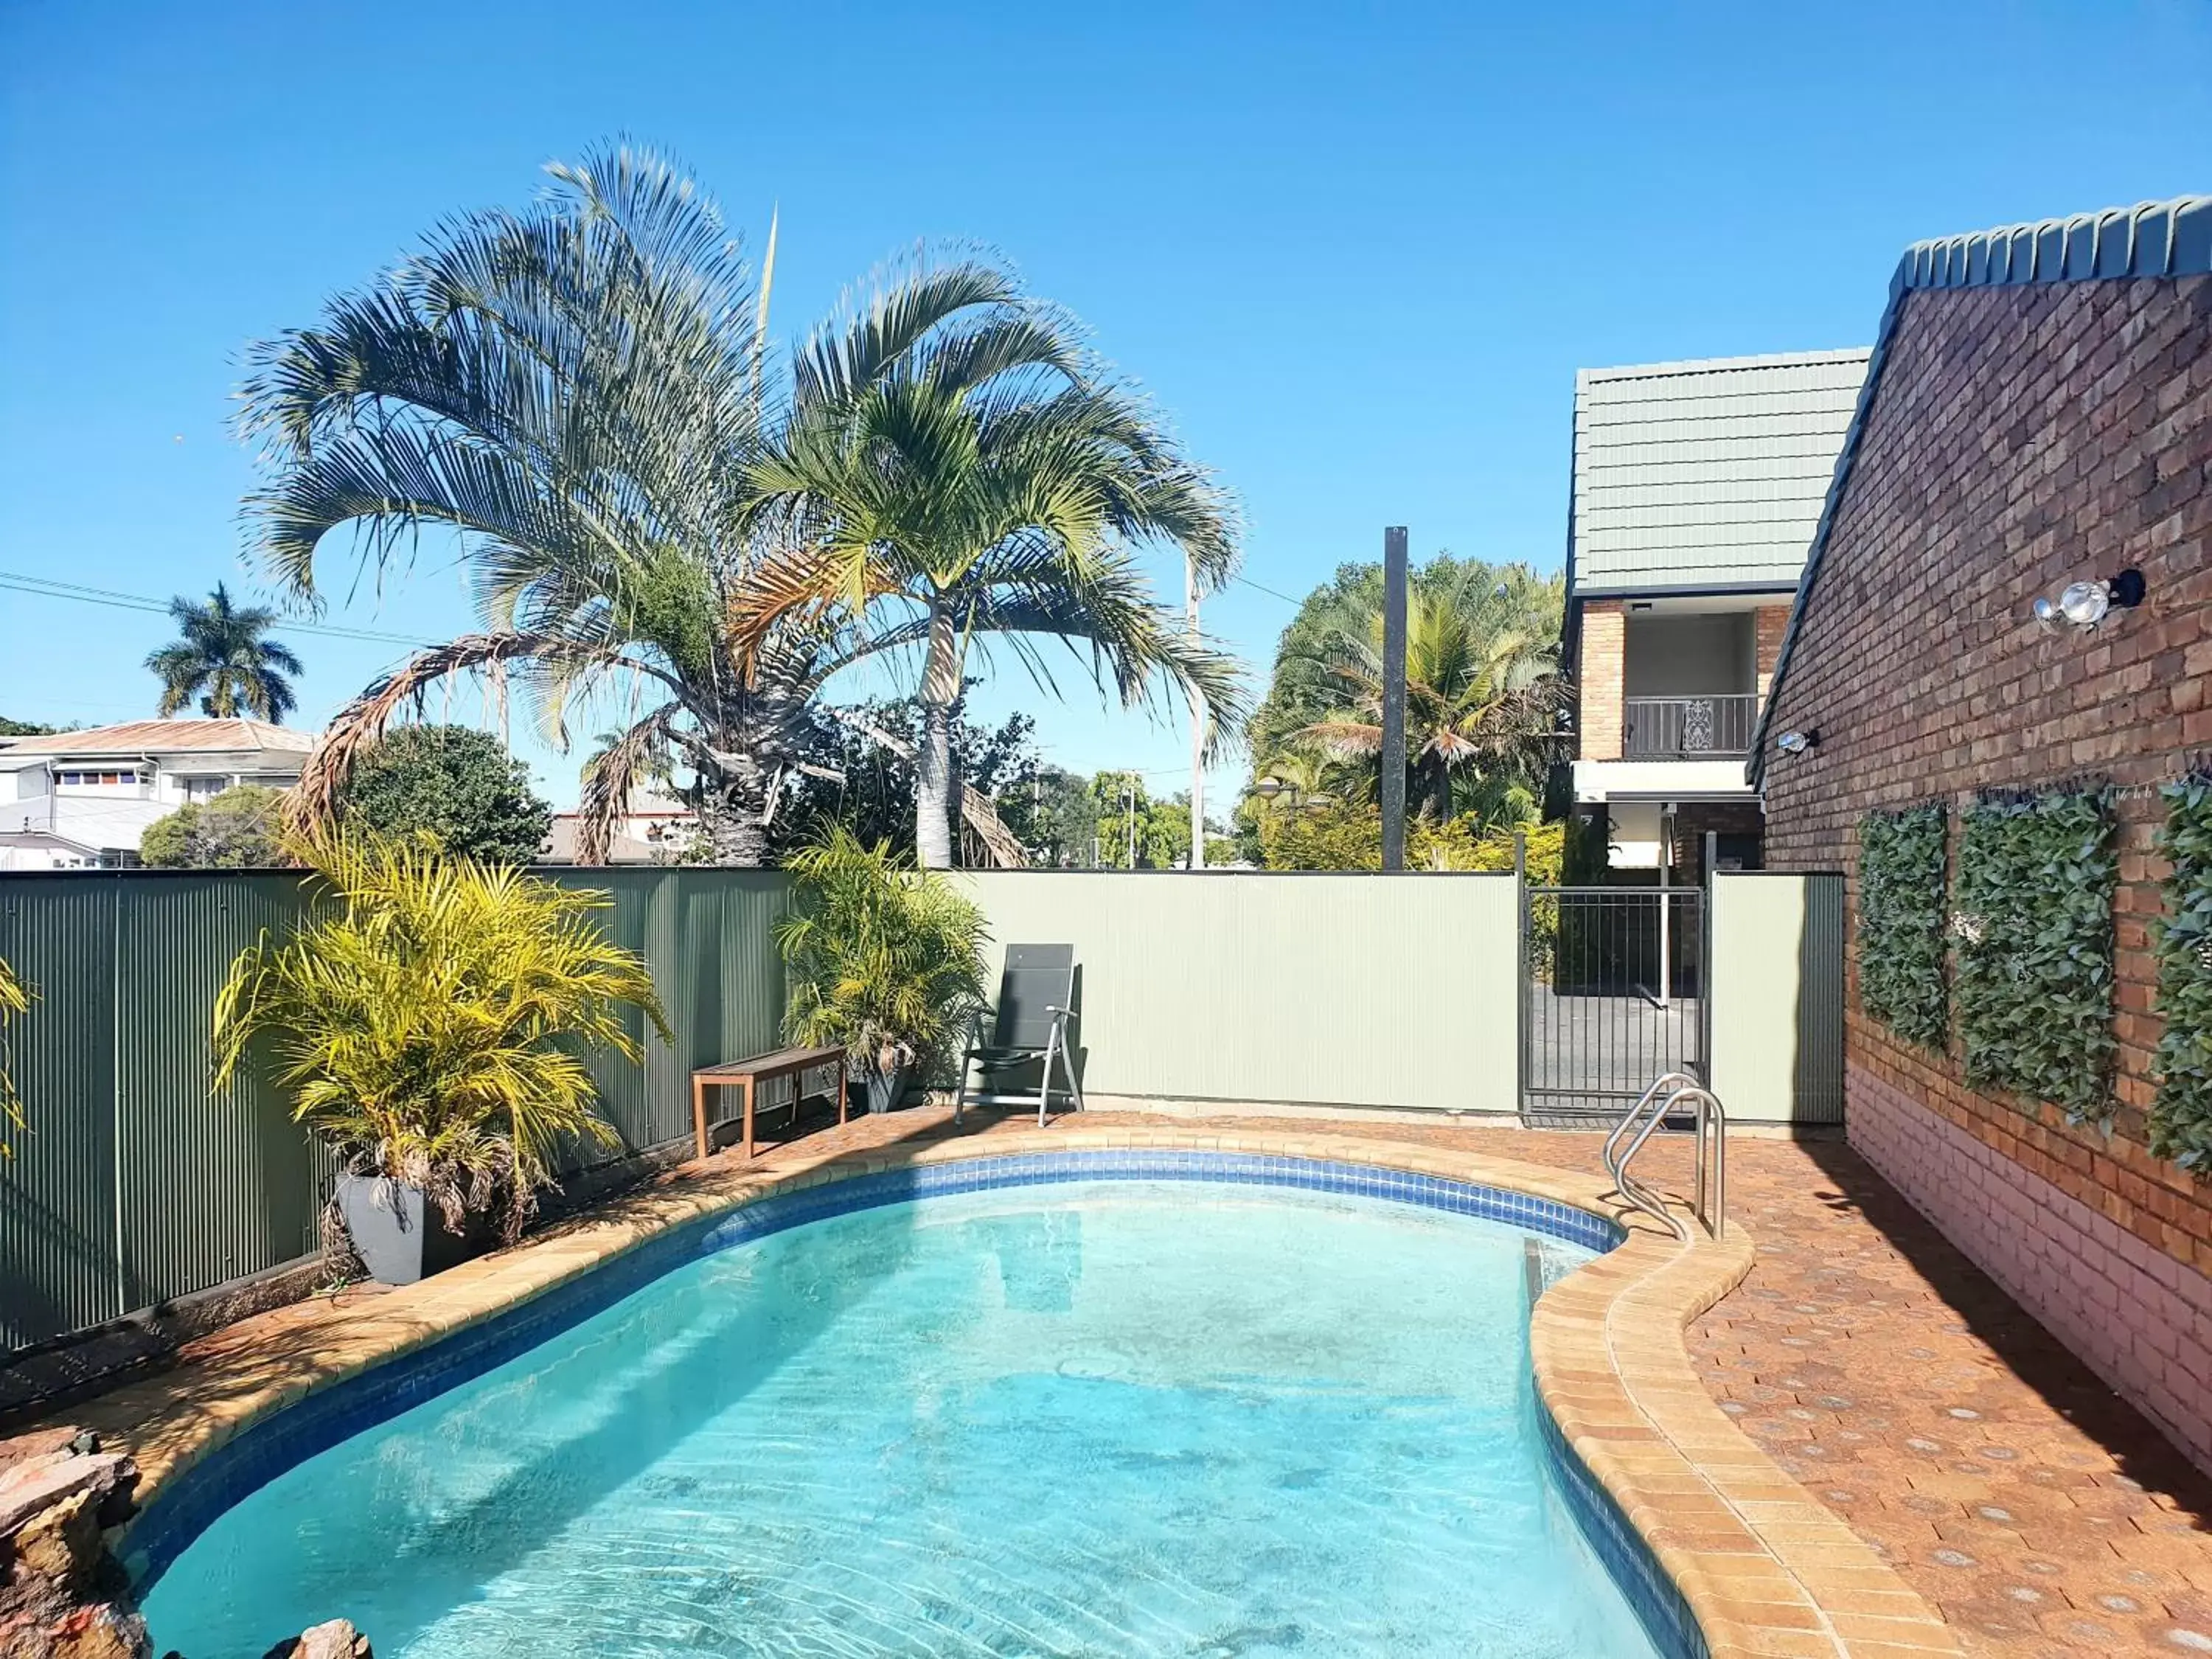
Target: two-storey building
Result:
[82, 799]
[1696, 489]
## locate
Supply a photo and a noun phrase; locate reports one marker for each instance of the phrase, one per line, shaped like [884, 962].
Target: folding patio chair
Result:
[1036, 1005]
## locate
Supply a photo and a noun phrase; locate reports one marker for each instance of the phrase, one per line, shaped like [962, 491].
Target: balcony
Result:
[1710, 727]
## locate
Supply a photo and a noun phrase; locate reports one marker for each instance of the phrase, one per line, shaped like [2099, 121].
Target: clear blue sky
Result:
[1357, 253]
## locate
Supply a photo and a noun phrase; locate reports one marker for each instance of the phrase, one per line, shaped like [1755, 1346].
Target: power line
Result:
[1261, 588]
[46, 587]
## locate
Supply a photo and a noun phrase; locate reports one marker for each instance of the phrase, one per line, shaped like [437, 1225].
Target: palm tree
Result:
[1483, 693]
[986, 481]
[224, 660]
[582, 393]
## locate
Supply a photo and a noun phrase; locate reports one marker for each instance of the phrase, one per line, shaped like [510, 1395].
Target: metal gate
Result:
[1612, 994]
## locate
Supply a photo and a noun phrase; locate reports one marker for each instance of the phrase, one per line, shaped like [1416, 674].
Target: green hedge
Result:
[1900, 937]
[2181, 1114]
[2034, 932]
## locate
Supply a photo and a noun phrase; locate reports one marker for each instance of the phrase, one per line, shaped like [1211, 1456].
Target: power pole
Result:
[1129, 793]
[1197, 724]
[1393, 780]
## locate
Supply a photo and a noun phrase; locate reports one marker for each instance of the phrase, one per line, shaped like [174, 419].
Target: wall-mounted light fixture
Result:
[2085, 604]
[1797, 743]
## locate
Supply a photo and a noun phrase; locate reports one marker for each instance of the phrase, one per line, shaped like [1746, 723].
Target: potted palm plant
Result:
[885, 961]
[430, 1020]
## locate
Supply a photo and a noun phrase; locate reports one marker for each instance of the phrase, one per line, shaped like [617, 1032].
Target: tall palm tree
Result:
[1483, 692]
[224, 660]
[581, 392]
[988, 482]
[575, 392]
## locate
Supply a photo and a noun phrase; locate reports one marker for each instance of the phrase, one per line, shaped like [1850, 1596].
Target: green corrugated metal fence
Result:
[138, 1184]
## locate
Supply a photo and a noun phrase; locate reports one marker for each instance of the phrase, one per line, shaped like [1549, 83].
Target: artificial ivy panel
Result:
[1900, 940]
[2181, 1114]
[2034, 934]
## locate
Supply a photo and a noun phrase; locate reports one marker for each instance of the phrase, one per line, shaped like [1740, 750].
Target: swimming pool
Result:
[1125, 1417]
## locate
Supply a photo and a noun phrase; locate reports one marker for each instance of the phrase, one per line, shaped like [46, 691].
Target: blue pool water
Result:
[1104, 1418]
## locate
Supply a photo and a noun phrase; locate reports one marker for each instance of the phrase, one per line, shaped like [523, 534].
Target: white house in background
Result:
[1696, 489]
[654, 831]
[79, 800]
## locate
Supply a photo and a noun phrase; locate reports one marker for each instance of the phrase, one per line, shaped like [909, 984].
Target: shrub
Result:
[1321, 835]
[14, 1003]
[453, 781]
[238, 830]
[2035, 930]
[1900, 928]
[2181, 1113]
[426, 1019]
[886, 961]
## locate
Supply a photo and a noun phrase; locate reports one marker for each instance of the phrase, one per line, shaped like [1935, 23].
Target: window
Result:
[93, 779]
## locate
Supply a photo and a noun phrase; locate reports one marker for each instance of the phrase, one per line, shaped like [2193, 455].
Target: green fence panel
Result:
[213, 1184]
[1777, 996]
[60, 1259]
[138, 1183]
[1337, 990]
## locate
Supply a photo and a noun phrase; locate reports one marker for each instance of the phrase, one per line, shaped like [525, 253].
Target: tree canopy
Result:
[237, 830]
[1484, 699]
[223, 659]
[453, 781]
[648, 500]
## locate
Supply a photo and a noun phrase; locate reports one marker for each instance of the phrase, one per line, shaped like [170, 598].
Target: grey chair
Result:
[1036, 1005]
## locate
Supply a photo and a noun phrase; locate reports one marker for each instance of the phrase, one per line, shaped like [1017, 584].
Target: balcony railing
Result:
[1688, 728]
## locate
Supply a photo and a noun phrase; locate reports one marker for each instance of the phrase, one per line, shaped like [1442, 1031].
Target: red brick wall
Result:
[1598, 681]
[2022, 437]
[1769, 623]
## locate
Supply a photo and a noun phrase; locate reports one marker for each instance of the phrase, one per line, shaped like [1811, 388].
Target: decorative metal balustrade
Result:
[1688, 728]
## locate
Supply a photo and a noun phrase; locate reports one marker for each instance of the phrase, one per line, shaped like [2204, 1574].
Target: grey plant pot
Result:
[886, 1089]
[401, 1238]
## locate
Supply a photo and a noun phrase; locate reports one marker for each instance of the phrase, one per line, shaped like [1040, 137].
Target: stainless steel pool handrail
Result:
[1629, 1118]
[1634, 1190]
[1710, 1116]
[1650, 1110]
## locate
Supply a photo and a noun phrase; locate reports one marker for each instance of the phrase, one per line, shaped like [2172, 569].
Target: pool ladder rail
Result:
[1636, 1126]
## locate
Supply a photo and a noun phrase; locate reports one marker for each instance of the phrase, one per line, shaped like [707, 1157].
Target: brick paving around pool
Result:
[1913, 1402]
[2035, 1509]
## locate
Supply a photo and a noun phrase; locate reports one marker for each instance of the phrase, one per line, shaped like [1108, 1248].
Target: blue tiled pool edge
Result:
[187, 1504]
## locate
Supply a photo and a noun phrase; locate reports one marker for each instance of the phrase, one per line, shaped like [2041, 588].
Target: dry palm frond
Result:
[796, 589]
[611, 777]
[311, 805]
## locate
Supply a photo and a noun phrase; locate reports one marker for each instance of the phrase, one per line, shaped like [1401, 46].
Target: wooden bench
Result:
[748, 1075]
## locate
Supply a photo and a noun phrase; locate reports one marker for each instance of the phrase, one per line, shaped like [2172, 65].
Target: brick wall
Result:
[1598, 677]
[1768, 624]
[2023, 438]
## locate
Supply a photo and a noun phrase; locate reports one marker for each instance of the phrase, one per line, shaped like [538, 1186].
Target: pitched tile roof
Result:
[1707, 474]
[167, 737]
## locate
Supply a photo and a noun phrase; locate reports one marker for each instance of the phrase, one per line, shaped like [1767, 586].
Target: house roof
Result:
[2172, 238]
[168, 738]
[1707, 474]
